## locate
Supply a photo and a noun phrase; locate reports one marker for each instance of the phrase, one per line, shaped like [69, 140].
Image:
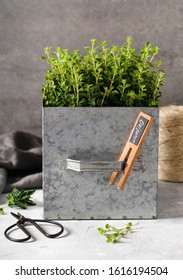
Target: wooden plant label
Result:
[132, 148]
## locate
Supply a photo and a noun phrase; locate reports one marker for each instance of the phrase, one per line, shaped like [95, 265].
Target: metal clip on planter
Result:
[92, 166]
[126, 160]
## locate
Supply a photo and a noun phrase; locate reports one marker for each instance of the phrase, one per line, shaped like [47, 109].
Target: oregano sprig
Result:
[113, 234]
[20, 198]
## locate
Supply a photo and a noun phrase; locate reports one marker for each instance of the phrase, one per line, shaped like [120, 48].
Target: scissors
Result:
[21, 225]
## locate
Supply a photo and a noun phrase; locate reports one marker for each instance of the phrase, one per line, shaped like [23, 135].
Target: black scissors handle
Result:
[20, 224]
[34, 222]
[7, 231]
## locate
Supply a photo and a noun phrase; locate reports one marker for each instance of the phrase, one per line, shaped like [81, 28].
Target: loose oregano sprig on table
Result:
[113, 235]
[20, 198]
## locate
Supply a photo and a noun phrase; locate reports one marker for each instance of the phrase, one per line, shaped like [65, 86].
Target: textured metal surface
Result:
[97, 134]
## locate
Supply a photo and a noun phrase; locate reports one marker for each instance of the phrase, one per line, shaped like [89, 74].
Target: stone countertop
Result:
[153, 239]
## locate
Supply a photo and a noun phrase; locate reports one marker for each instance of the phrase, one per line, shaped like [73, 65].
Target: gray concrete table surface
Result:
[154, 239]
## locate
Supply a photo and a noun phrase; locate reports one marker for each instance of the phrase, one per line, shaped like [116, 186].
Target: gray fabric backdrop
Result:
[26, 27]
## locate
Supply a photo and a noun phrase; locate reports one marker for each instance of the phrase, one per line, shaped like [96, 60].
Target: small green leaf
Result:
[147, 44]
[43, 57]
[103, 44]
[110, 239]
[158, 63]
[161, 74]
[47, 50]
[156, 51]
[129, 40]
[107, 226]
[2, 211]
[128, 228]
[93, 41]
[20, 204]
[101, 231]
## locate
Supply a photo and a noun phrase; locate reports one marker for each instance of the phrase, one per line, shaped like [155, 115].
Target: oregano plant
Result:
[104, 76]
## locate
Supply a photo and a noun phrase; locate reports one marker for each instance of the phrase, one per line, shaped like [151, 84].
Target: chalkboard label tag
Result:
[138, 130]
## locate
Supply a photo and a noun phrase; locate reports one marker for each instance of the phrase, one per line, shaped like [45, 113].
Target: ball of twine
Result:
[171, 144]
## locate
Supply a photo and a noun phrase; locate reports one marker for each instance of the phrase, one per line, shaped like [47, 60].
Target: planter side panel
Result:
[97, 134]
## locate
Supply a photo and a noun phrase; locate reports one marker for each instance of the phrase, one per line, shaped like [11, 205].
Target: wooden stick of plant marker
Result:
[132, 148]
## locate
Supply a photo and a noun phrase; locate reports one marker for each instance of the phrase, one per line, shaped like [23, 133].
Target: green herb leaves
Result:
[105, 76]
[2, 211]
[113, 235]
[20, 198]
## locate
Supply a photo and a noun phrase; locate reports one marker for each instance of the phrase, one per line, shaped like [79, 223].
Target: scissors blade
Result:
[17, 216]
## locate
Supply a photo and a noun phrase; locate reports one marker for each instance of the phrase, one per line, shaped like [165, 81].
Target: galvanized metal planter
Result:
[97, 135]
